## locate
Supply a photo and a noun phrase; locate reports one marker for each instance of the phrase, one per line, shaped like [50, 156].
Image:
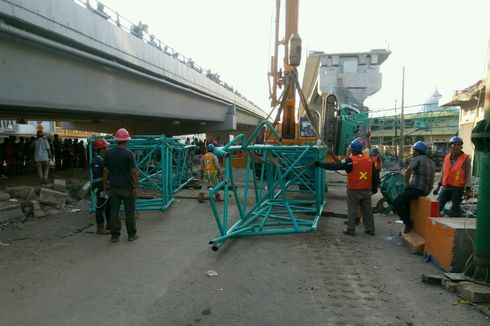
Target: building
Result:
[471, 101]
[428, 122]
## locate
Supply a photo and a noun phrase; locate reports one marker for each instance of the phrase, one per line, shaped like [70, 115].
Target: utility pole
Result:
[402, 123]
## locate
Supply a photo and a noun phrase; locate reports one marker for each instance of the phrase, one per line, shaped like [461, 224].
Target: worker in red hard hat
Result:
[121, 180]
[103, 207]
[362, 182]
[455, 177]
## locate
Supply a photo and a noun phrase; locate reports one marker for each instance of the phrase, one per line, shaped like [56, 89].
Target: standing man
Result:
[361, 183]
[210, 170]
[419, 178]
[455, 177]
[121, 179]
[103, 206]
[42, 154]
[378, 161]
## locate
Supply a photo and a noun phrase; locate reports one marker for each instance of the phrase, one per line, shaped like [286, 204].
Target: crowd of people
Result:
[17, 154]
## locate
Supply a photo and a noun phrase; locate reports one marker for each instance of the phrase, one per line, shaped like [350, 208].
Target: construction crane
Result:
[316, 126]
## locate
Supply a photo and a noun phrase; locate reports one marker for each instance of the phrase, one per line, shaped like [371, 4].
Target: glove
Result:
[468, 193]
[316, 164]
[374, 190]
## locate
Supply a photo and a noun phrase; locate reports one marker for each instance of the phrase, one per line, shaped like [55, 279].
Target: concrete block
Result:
[420, 212]
[52, 197]
[414, 242]
[35, 204]
[450, 285]
[448, 241]
[59, 185]
[4, 196]
[9, 212]
[22, 193]
[38, 213]
[473, 292]
[84, 190]
[455, 277]
[37, 210]
[432, 279]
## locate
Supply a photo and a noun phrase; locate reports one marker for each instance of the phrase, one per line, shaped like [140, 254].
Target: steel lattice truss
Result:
[164, 167]
[282, 191]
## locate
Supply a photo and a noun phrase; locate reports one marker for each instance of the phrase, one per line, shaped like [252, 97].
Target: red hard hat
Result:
[100, 143]
[122, 135]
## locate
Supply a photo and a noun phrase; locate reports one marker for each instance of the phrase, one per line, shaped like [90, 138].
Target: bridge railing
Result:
[140, 30]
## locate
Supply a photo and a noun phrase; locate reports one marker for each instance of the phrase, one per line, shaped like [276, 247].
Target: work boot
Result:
[114, 239]
[370, 232]
[101, 229]
[349, 232]
[132, 237]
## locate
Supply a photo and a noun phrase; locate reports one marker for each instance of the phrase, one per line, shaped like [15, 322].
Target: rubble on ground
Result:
[17, 203]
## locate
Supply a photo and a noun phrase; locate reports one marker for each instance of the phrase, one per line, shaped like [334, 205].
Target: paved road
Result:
[56, 271]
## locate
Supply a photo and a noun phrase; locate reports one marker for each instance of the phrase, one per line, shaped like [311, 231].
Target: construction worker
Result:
[121, 179]
[361, 184]
[455, 177]
[378, 161]
[419, 178]
[103, 206]
[210, 170]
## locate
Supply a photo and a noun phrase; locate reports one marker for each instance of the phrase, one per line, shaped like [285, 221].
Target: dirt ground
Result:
[56, 271]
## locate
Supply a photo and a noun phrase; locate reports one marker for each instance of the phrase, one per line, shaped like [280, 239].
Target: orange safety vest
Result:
[378, 164]
[208, 161]
[362, 173]
[454, 174]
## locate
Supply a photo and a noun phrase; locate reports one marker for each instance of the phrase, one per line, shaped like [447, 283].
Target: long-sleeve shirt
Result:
[347, 166]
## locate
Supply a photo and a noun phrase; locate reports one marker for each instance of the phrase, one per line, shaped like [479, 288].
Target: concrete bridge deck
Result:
[63, 61]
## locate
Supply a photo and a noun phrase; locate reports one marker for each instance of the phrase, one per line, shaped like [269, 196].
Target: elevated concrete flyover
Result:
[63, 61]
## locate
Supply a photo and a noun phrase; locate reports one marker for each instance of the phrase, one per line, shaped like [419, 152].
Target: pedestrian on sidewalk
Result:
[42, 154]
[361, 184]
[121, 180]
[103, 206]
[419, 178]
[455, 178]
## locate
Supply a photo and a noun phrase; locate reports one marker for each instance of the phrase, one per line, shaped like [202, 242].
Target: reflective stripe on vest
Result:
[454, 174]
[361, 175]
[208, 160]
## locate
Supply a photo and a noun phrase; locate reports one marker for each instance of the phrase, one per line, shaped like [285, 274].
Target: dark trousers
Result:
[401, 204]
[359, 198]
[124, 196]
[453, 195]
[103, 209]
